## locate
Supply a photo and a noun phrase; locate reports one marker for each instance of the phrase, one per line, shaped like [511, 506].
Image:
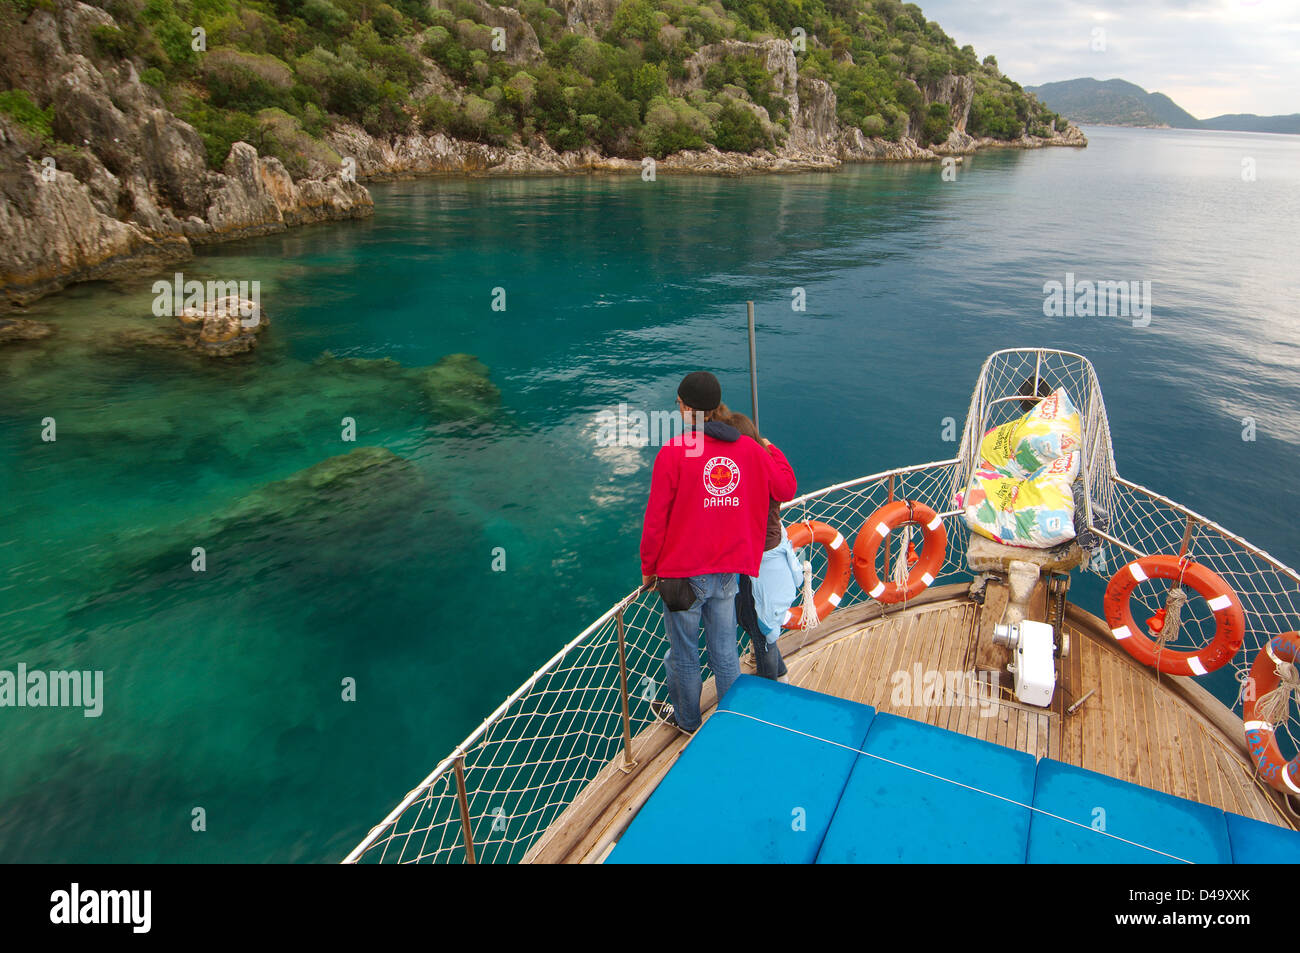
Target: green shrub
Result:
[387, 21]
[748, 73]
[518, 93]
[644, 84]
[449, 53]
[247, 82]
[110, 41]
[874, 125]
[991, 115]
[284, 137]
[737, 129]
[18, 106]
[616, 118]
[634, 19]
[937, 125]
[171, 33]
[673, 125]
[324, 15]
[220, 129]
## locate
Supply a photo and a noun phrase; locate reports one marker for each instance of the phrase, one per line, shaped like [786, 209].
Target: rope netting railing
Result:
[500, 789]
[1011, 382]
[527, 762]
[1144, 523]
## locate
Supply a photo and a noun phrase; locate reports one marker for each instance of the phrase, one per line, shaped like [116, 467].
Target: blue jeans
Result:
[715, 603]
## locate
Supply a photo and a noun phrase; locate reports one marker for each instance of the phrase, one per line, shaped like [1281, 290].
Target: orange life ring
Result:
[934, 539]
[1260, 739]
[836, 583]
[1227, 613]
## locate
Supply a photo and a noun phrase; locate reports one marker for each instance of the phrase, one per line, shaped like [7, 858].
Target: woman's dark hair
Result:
[735, 418]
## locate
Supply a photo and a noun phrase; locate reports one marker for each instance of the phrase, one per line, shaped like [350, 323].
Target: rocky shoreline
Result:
[440, 156]
[137, 196]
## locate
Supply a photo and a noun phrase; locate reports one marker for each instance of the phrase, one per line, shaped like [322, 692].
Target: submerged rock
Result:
[384, 366]
[133, 339]
[322, 523]
[355, 479]
[458, 388]
[22, 329]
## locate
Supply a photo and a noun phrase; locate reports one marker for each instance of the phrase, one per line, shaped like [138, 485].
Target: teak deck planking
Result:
[1135, 726]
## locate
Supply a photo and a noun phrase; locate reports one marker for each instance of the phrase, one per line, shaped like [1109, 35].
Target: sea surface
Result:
[224, 690]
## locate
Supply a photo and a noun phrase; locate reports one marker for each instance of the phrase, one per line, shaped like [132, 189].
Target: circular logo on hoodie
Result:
[721, 475]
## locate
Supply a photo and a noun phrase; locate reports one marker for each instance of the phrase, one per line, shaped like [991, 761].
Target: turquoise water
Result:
[224, 689]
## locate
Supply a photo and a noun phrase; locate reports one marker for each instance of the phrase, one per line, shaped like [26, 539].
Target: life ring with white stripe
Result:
[1228, 615]
[831, 591]
[1260, 738]
[934, 545]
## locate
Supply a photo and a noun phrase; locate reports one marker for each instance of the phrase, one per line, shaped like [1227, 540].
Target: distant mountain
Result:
[1247, 122]
[1115, 102]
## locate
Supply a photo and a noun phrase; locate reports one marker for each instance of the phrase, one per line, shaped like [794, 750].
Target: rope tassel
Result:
[810, 620]
[1275, 706]
[905, 558]
[1164, 625]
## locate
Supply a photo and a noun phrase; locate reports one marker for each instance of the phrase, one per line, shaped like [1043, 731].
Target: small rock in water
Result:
[226, 325]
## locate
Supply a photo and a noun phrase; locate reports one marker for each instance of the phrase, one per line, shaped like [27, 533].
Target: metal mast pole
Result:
[753, 367]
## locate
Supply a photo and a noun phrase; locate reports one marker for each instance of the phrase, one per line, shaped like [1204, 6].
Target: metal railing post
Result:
[628, 761]
[464, 811]
[888, 547]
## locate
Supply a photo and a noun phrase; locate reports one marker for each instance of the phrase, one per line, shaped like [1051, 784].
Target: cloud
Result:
[1209, 56]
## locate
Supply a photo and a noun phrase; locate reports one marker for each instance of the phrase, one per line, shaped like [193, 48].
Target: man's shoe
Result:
[664, 712]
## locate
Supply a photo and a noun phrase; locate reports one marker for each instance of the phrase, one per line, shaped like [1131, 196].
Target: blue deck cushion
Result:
[1255, 842]
[1185, 829]
[747, 792]
[890, 814]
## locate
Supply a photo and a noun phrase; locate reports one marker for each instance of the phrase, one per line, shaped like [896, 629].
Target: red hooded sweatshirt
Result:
[708, 505]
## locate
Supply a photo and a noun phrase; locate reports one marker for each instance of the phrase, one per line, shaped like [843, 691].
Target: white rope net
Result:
[527, 762]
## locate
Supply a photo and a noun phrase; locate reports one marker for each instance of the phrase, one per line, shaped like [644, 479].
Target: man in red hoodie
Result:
[705, 522]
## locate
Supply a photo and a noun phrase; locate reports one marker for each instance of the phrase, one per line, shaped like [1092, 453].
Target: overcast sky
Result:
[1210, 56]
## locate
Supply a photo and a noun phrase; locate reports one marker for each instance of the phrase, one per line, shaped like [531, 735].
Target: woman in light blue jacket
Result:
[763, 600]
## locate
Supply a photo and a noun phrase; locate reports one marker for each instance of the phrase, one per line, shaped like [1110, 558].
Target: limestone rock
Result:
[590, 17]
[956, 92]
[225, 326]
[55, 234]
[22, 329]
[134, 191]
[521, 40]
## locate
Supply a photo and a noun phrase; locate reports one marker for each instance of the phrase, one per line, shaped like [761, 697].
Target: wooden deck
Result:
[1165, 733]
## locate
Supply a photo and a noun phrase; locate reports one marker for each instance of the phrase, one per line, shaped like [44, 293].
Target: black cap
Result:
[700, 390]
